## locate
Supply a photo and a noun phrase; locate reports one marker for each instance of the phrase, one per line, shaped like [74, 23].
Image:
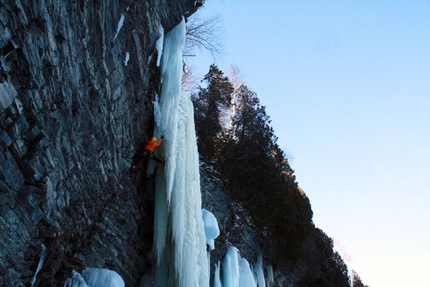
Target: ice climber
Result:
[149, 152]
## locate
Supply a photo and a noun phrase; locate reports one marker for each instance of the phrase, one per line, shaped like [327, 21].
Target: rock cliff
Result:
[77, 81]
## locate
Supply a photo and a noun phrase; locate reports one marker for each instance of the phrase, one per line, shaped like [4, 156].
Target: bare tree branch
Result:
[189, 79]
[203, 35]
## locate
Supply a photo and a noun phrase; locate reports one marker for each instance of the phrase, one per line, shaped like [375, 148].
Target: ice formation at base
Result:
[258, 269]
[236, 272]
[95, 277]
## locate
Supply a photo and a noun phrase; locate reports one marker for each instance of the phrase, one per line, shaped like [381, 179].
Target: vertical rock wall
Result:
[76, 98]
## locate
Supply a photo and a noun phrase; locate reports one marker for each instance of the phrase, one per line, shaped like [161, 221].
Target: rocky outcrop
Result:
[77, 81]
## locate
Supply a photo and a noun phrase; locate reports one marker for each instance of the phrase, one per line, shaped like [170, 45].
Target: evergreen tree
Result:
[324, 266]
[281, 161]
[249, 141]
[356, 280]
[264, 180]
[209, 104]
[251, 124]
[258, 174]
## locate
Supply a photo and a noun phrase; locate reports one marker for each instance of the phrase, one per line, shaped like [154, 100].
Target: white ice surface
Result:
[120, 24]
[230, 268]
[40, 264]
[246, 277]
[211, 227]
[159, 44]
[236, 271]
[127, 58]
[179, 238]
[95, 277]
[258, 269]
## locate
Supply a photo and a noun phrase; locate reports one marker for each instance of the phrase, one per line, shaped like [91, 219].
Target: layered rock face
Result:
[77, 81]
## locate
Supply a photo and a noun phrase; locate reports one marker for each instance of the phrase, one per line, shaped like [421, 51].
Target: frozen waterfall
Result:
[179, 238]
[181, 234]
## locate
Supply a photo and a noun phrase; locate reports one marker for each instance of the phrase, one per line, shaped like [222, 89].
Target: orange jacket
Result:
[151, 145]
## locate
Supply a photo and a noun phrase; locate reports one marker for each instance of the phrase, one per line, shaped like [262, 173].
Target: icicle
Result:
[211, 232]
[217, 278]
[270, 280]
[120, 24]
[259, 271]
[230, 268]
[127, 58]
[209, 265]
[246, 278]
[39, 266]
[159, 44]
[237, 271]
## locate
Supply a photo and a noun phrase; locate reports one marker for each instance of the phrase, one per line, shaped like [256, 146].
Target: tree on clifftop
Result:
[209, 104]
[238, 136]
[356, 280]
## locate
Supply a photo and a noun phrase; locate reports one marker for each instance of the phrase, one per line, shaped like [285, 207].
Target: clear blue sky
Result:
[347, 86]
